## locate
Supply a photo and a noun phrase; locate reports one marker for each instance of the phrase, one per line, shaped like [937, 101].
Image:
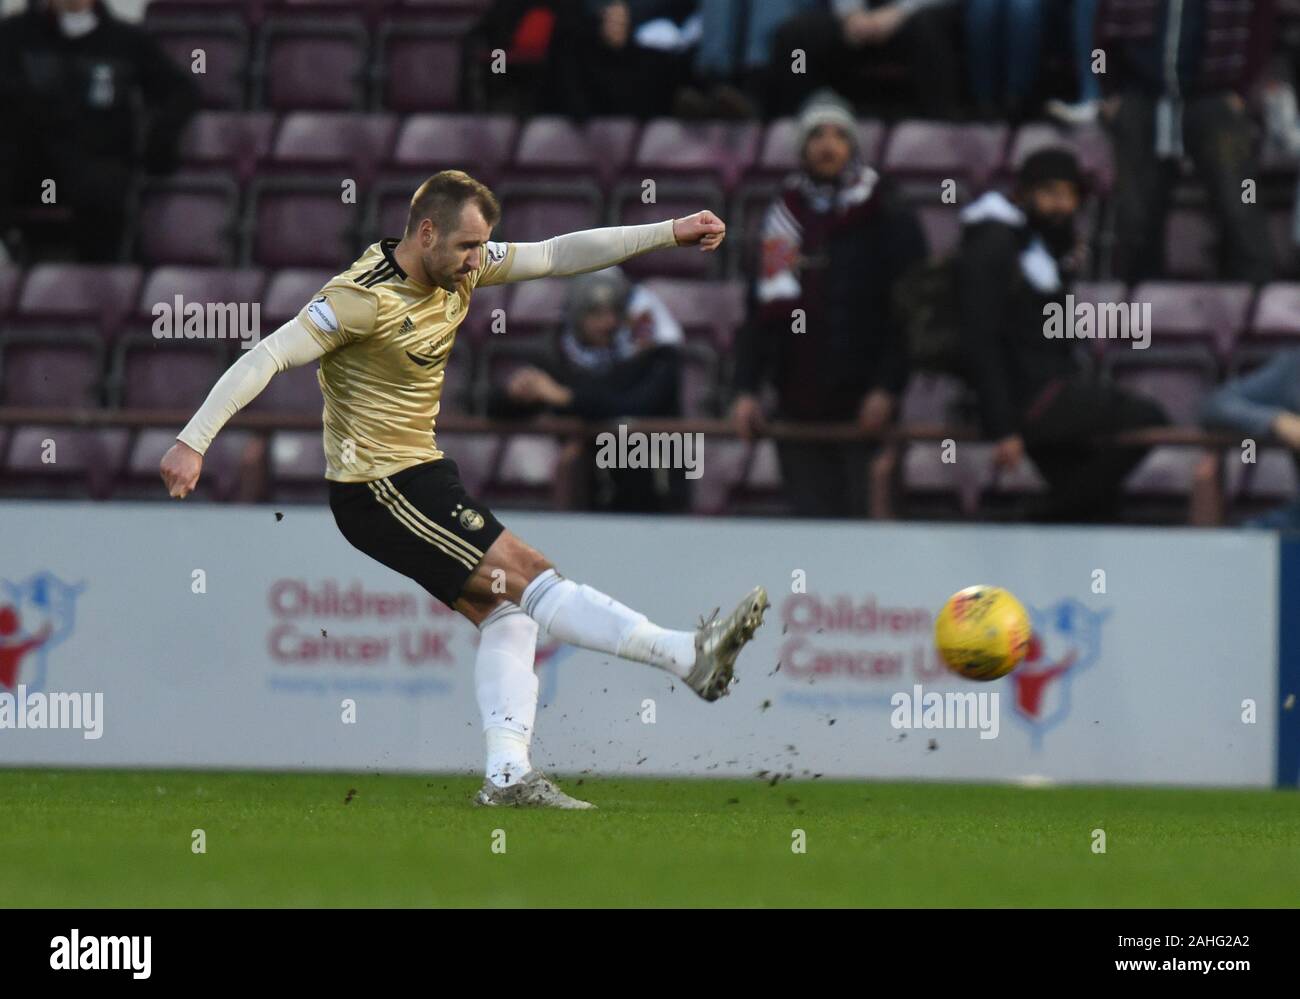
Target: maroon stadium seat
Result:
[287, 291]
[300, 223]
[1179, 388]
[44, 369]
[1276, 321]
[1270, 479]
[294, 391]
[150, 373]
[552, 146]
[224, 42]
[388, 206]
[752, 485]
[250, 12]
[86, 461]
[1281, 237]
[427, 143]
[297, 467]
[1190, 245]
[418, 67]
[474, 454]
[458, 378]
[931, 399]
[525, 472]
[187, 221]
[724, 471]
[1211, 314]
[199, 284]
[10, 277]
[94, 294]
[708, 310]
[1099, 292]
[532, 211]
[1165, 472]
[932, 487]
[235, 140]
[720, 150]
[701, 375]
[928, 152]
[942, 227]
[535, 307]
[341, 143]
[478, 321]
[313, 65]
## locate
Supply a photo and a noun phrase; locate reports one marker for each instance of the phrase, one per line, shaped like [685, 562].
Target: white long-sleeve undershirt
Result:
[584, 251]
[290, 346]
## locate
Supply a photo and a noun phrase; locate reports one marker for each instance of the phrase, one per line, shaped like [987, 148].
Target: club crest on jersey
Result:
[453, 306]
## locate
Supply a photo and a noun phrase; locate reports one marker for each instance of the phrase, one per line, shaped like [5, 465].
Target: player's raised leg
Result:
[581, 615]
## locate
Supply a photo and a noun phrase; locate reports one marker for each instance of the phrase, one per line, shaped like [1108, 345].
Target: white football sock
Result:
[580, 615]
[506, 686]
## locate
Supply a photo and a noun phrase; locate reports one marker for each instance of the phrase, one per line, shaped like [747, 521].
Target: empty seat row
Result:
[496, 146]
[518, 470]
[1215, 317]
[51, 300]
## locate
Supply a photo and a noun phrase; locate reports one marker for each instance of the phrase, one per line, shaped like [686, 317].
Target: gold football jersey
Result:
[387, 339]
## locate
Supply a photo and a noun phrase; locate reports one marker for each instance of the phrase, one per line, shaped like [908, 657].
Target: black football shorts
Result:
[420, 522]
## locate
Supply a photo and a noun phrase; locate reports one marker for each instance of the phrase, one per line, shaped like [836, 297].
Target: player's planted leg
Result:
[506, 687]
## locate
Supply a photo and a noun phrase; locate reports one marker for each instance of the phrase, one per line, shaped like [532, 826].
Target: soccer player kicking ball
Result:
[382, 331]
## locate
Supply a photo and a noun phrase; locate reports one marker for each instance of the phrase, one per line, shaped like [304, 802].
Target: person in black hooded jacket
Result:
[85, 99]
[1016, 259]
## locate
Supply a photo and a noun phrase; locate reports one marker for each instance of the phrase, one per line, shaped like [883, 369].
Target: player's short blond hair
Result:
[442, 197]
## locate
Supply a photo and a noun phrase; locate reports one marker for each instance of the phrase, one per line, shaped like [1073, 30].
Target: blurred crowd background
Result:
[910, 187]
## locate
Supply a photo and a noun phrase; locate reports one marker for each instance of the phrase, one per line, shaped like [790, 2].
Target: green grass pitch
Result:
[113, 838]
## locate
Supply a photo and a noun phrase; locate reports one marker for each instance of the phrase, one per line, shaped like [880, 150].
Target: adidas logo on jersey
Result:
[407, 326]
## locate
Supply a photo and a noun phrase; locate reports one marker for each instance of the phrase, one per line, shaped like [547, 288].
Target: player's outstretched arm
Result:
[288, 347]
[594, 249]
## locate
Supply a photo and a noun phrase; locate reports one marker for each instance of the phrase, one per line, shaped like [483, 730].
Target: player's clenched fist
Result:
[703, 229]
[180, 469]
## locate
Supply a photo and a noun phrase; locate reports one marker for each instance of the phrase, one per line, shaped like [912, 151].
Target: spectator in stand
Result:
[1087, 104]
[1004, 49]
[1176, 81]
[619, 355]
[85, 99]
[1015, 258]
[1265, 406]
[732, 61]
[821, 329]
[622, 57]
[838, 41]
